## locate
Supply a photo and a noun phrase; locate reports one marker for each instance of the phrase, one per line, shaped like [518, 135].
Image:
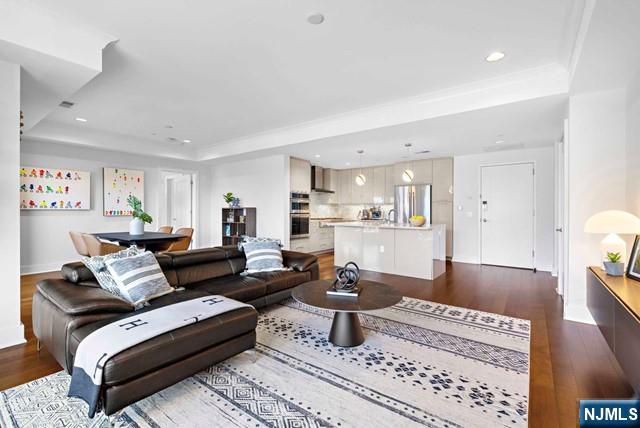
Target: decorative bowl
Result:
[416, 222]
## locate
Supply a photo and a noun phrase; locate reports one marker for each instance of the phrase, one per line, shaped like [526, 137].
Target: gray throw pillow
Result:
[263, 256]
[139, 278]
[98, 266]
[245, 239]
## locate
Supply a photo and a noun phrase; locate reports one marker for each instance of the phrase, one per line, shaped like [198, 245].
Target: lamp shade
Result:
[613, 221]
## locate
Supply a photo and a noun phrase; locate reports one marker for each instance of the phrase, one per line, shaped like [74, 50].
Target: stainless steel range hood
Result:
[320, 181]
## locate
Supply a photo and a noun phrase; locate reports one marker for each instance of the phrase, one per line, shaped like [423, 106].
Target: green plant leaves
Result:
[136, 207]
[614, 257]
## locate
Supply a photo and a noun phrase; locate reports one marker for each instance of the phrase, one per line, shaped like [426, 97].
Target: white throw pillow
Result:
[139, 278]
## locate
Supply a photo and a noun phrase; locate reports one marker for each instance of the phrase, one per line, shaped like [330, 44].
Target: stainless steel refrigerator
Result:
[412, 200]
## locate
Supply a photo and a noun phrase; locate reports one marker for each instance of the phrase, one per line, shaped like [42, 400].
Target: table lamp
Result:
[612, 223]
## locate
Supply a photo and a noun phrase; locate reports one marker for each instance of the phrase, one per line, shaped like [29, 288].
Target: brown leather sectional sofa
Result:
[67, 310]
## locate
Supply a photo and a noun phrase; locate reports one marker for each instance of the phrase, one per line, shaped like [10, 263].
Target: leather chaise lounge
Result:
[67, 310]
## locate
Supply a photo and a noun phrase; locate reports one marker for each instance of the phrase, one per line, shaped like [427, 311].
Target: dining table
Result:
[148, 240]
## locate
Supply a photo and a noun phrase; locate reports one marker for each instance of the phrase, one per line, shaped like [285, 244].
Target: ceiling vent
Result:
[172, 139]
[423, 152]
[502, 147]
[66, 104]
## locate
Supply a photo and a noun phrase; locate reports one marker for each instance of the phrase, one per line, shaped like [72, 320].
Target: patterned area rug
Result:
[422, 364]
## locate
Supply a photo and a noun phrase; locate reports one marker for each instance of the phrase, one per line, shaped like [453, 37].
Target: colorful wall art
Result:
[54, 189]
[119, 183]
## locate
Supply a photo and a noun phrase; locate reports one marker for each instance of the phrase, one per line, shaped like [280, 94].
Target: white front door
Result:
[181, 203]
[507, 215]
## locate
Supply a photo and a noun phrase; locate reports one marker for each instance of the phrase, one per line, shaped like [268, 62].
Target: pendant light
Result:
[408, 174]
[360, 178]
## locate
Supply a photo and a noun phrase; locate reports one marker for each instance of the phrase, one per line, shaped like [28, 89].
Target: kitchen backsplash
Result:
[319, 207]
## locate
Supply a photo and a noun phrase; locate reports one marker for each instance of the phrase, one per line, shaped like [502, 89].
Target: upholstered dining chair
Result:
[78, 243]
[96, 247]
[165, 229]
[182, 243]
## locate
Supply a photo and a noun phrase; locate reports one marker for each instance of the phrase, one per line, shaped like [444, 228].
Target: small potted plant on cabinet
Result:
[136, 226]
[613, 266]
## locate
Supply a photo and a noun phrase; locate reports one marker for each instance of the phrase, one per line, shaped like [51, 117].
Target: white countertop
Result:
[380, 225]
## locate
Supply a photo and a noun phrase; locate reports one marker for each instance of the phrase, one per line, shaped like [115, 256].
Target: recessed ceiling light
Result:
[315, 19]
[186, 141]
[81, 119]
[499, 141]
[495, 56]
[317, 156]
[348, 163]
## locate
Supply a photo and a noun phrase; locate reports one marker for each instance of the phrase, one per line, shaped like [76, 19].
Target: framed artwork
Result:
[118, 184]
[44, 188]
[633, 267]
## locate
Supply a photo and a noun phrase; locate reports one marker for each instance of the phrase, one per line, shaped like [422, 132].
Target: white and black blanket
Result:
[96, 349]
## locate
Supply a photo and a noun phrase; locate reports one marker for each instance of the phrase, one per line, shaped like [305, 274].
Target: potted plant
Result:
[136, 226]
[228, 198]
[613, 266]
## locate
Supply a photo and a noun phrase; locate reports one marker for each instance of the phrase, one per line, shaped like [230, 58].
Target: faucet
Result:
[389, 215]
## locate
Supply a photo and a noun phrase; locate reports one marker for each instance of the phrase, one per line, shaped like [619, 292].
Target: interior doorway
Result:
[179, 200]
[507, 215]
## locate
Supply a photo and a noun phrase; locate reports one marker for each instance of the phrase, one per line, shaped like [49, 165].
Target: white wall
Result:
[597, 182]
[11, 329]
[466, 203]
[45, 234]
[633, 146]
[261, 183]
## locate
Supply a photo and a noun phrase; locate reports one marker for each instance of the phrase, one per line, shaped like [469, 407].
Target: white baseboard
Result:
[578, 313]
[465, 260]
[10, 336]
[44, 267]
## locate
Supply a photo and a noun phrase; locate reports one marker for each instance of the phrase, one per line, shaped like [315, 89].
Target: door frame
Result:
[164, 206]
[535, 208]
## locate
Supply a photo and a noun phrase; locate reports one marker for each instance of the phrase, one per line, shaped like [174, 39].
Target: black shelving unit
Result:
[237, 222]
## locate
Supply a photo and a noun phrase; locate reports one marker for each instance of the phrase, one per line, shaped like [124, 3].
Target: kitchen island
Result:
[400, 249]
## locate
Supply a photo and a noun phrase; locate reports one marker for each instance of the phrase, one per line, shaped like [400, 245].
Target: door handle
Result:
[484, 220]
[559, 229]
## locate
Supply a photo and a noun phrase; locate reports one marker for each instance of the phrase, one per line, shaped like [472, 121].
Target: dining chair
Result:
[78, 243]
[165, 229]
[182, 243]
[96, 247]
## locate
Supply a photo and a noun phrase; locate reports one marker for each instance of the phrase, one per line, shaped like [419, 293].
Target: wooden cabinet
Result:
[300, 172]
[379, 185]
[362, 194]
[442, 179]
[389, 185]
[237, 222]
[614, 303]
[422, 169]
[344, 178]
[332, 182]
[442, 213]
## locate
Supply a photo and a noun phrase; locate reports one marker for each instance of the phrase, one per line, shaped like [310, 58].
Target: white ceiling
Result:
[527, 124]
[220, 70]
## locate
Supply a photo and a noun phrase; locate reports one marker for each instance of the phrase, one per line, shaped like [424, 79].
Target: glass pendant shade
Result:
[407, 176]
[361, 179]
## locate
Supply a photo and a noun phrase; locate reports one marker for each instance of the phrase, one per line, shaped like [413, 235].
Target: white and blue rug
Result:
[422, 364]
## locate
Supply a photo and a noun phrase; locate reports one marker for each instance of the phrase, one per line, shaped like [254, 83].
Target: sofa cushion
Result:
[277, 281]
[169, 347]
[238, 287]
[193, 266]
[81, 300]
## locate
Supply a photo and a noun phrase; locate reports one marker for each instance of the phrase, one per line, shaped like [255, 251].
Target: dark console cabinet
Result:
[614, 303]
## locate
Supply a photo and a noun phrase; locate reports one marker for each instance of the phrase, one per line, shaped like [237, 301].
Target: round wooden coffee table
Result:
[346, 329]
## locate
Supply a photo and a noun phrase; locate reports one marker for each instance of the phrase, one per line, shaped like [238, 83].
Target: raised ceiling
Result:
[221, 70]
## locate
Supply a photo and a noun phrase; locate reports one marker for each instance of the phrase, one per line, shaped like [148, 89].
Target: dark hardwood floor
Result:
[569, 361]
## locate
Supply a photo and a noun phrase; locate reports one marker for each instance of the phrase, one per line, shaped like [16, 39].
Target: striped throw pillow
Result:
[139, 278]
[265, 256]
[98, 266]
